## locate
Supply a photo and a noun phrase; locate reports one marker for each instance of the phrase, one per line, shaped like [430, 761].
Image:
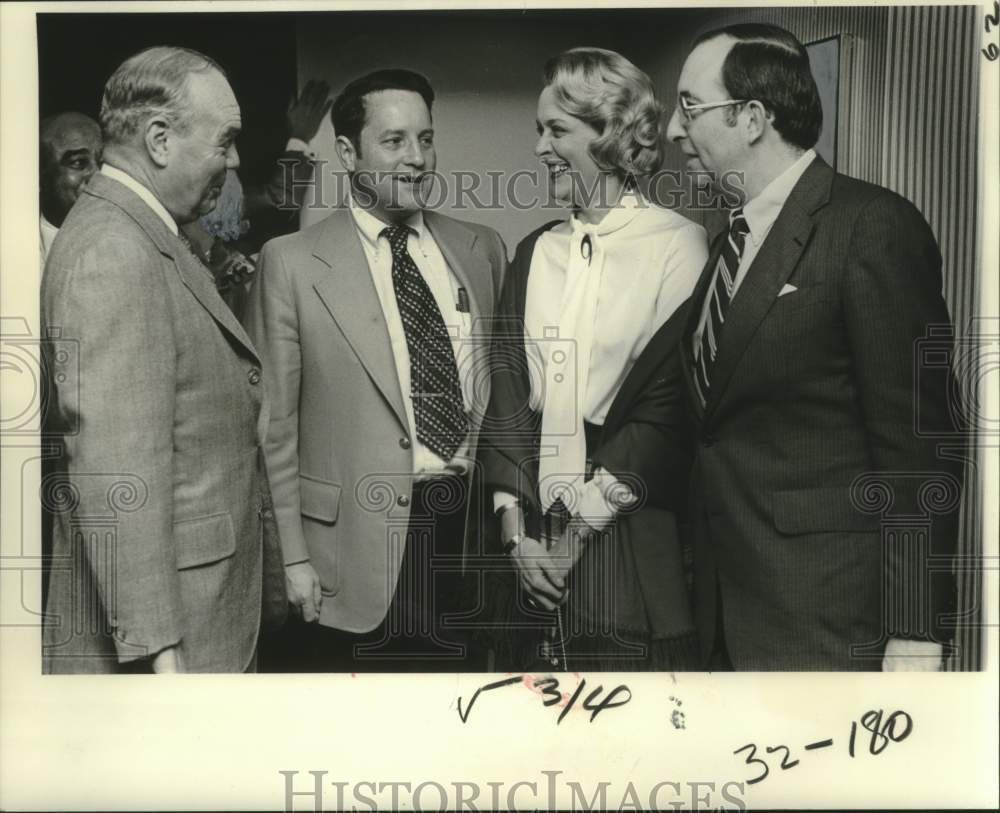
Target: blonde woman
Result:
[586, 454]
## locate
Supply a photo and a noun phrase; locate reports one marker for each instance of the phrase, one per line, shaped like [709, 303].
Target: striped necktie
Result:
[438, 408]
[720, 296]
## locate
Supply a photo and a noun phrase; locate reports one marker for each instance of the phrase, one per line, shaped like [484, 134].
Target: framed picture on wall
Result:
[825, 60]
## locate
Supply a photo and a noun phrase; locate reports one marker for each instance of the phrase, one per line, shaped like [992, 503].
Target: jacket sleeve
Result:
[117, 407]
[648, 444]
[509, 441]
[272, 324]
[892, 297]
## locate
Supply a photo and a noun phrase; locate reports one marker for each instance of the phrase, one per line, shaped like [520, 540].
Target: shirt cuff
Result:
[298, 145]
[592, 506]
[501, 499]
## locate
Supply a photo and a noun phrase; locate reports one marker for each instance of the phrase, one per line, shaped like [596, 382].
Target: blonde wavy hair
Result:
[614, 97]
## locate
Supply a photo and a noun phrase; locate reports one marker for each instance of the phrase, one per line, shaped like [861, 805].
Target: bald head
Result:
[69, 153]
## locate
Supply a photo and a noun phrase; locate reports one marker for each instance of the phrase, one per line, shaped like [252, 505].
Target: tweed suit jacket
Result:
[810, 420]
[338, 448]
[159, 496]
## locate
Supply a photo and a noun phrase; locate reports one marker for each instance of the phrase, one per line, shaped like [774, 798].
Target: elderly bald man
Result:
[69, 153]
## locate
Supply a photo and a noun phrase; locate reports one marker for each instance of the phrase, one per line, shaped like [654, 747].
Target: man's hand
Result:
[306, 113]
[543, 578]
[168, 661]
[303, 590]
[902, 655]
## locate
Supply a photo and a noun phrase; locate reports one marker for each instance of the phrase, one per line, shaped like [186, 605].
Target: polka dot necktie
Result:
[438, 409]
[720, 296]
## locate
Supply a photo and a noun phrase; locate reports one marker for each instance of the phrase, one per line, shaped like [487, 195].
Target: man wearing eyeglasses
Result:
[801, 375]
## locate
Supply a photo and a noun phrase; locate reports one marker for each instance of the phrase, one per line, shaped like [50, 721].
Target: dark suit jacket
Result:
[809, 438]
[160, 499]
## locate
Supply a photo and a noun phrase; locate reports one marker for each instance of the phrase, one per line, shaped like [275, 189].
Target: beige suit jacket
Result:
[338, 447]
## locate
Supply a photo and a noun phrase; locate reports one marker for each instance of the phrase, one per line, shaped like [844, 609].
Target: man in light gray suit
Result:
[370, 327]
[161, 549]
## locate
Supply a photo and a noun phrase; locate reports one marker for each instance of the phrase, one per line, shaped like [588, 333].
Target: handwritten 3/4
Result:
[548, 688]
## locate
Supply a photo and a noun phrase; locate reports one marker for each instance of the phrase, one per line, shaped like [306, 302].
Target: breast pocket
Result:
[804, 298]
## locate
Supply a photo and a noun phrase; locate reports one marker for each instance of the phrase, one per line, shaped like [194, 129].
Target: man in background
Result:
[69, 153]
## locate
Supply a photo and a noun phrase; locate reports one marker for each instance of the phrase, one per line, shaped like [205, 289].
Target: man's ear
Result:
[157, 140]
[346, 153]
[758, 119]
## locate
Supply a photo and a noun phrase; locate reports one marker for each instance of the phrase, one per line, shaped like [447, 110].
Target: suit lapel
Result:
[769, 271]
[473, 270]
[349, 294]
[474, 274]
[199, 281]
[195, 276]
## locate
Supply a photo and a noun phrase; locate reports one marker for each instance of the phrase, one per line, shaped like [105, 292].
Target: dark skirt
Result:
[522, 638]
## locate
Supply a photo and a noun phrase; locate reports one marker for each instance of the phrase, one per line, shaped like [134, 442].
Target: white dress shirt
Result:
[47, 233]
[760, 214]
[298, 145]
[446, 288]
[596, 295]
[143, 192]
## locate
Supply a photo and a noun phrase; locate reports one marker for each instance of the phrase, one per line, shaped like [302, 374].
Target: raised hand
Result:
[306, 112]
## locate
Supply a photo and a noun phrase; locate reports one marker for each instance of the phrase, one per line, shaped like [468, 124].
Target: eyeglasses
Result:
[688, 109]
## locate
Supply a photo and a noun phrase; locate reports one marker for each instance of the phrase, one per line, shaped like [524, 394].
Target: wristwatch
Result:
[512, 543]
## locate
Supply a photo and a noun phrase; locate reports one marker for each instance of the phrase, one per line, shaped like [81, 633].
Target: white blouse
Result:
[596, 295]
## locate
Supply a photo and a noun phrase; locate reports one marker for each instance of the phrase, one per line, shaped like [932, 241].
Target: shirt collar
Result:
[763, 210]
[143, 192]
[46, 227]
[618, 217]
[370, 227]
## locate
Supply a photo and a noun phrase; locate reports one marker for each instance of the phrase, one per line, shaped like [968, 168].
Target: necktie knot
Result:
[397, 235]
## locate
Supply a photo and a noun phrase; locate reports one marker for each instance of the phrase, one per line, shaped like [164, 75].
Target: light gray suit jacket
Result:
[157, 403]
[338, 447]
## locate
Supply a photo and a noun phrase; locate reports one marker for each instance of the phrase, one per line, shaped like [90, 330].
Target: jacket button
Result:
[404, 443]
[253, 376]
[402, 500]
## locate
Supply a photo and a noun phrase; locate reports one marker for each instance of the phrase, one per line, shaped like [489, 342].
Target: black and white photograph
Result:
[499, 406]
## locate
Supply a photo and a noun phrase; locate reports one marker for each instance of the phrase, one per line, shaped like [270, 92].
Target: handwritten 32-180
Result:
[882, 731]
